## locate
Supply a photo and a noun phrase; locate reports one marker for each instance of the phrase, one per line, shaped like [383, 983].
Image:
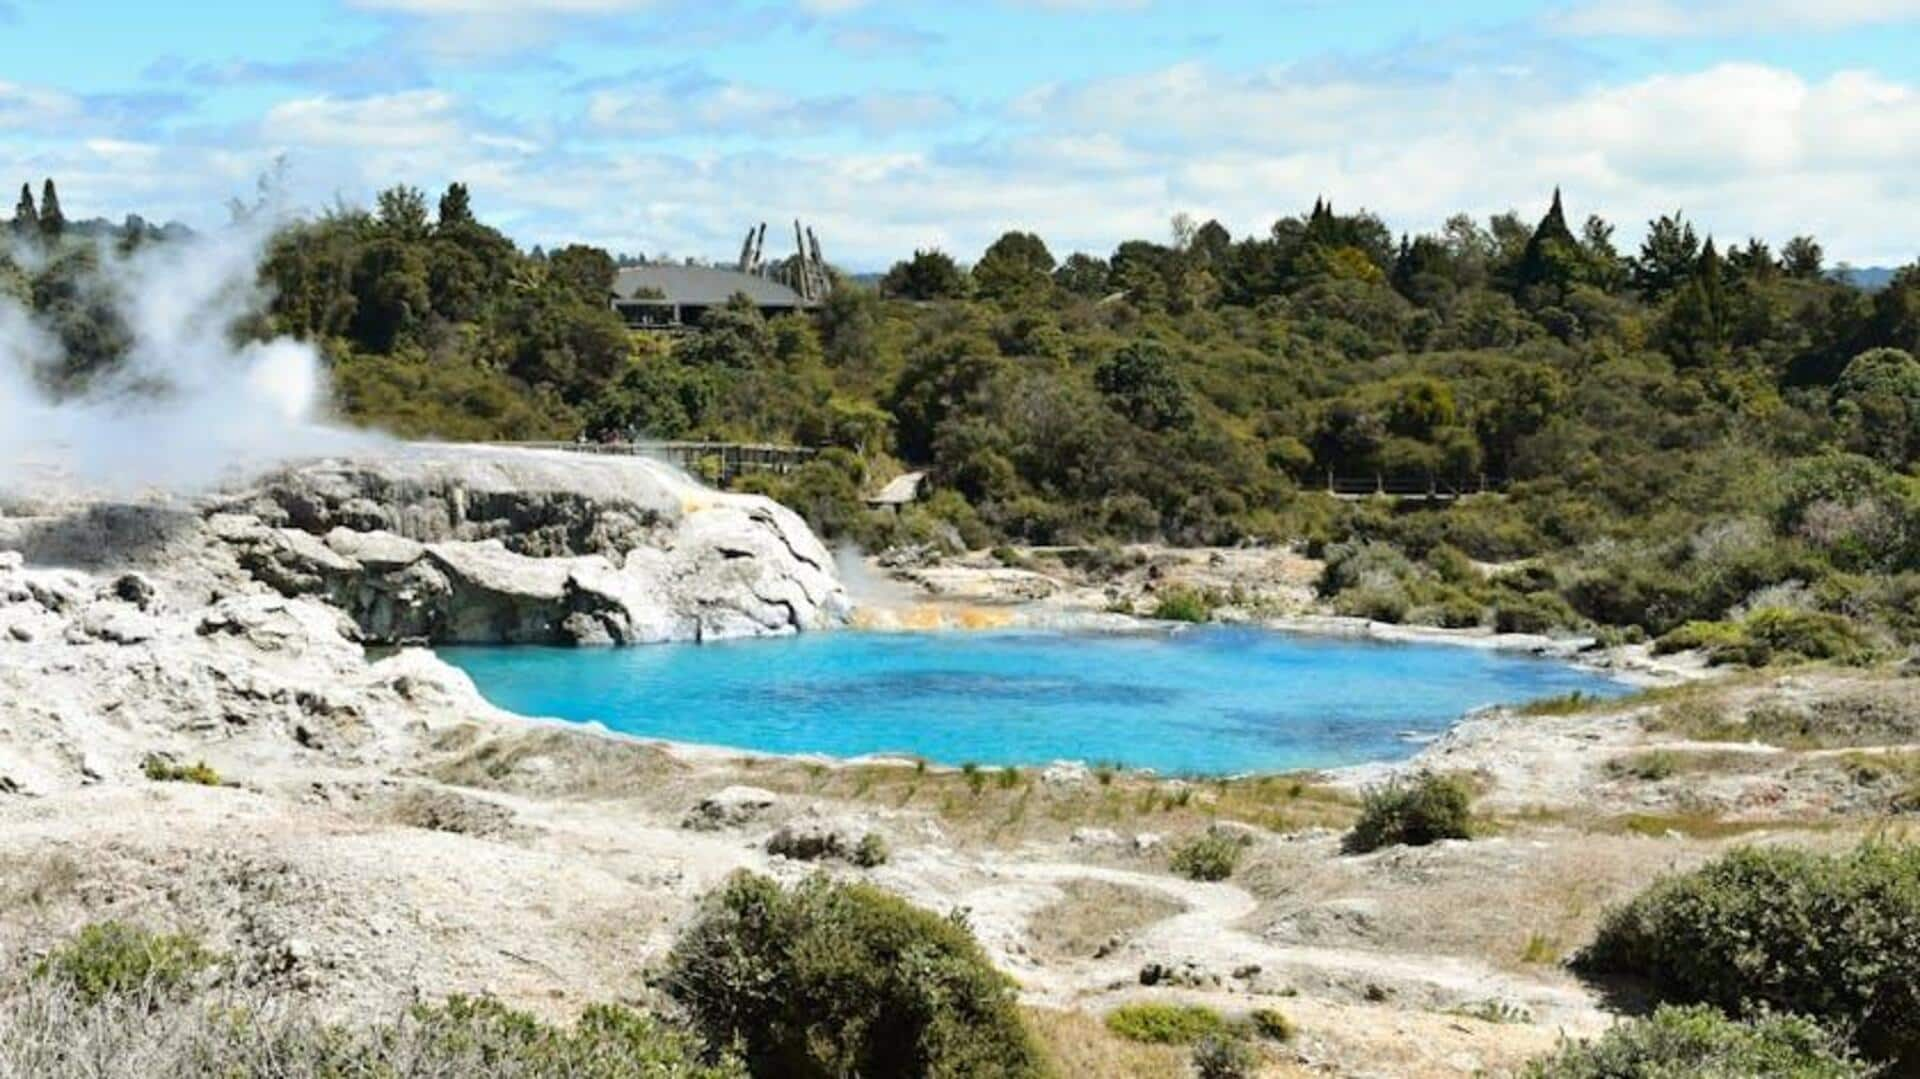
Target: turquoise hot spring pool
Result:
[1201, 701]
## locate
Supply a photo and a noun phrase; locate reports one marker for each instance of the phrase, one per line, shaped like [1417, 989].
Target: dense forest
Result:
[1717, 444]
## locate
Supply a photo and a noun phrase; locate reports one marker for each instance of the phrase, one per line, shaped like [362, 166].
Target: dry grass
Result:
[552, 763]
[1094, 913]
[1013, 806]
[1082, 1047]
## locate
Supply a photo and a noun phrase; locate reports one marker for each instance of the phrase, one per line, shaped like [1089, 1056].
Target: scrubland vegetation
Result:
[1700, 441]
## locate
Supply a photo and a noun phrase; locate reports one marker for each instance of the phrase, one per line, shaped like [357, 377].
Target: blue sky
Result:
[670, 126]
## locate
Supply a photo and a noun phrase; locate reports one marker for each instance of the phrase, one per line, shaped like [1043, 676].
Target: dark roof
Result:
[702, 286]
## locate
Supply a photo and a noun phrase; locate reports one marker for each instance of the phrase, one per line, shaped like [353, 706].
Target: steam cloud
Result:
[187, 408]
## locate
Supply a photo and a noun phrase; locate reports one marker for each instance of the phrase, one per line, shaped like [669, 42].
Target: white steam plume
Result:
[187, 408]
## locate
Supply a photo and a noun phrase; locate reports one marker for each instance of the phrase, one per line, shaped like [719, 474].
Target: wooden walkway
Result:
[723, 462]
[1410, 488]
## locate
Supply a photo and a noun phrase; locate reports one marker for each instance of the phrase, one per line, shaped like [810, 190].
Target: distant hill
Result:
[1865, 278]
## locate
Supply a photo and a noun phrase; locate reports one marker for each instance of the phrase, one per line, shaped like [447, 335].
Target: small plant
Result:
[1165, 1024]
[161, 770]
[871, 851]
[1495, 1011]
[1565, 704]
[1540, 949]
[976, 780]
[1211, 857]
[1224, 1056]
[1700, 1041]
[1829, 936]
[1184, 605]
[1413, 813]
[1008, 778]
[1271, 1024]
[1105, 773]
[109, 959]
[1652, 766]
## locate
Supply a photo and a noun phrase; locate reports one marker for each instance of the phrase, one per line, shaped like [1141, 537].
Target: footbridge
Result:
[719, 461]
[1411, 488]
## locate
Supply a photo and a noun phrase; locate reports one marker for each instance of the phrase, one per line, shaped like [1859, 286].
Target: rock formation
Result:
[245, 614]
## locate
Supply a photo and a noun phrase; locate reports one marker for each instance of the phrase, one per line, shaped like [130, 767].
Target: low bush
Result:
[1387, 603]
[1701, 1043]
[832, 979]
[1535, 612]
[1224, 1057]
[161, 770]
[871, 851]
[114, 958]
[1184, 605]
[1827, 936]
[1271, 1024]
[1210, 857]
[1772, 634]
[1412, 812]
[1166, 1024]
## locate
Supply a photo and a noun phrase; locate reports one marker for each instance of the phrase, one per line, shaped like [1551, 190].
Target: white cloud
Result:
[1672, 18]
[677, 106]
[412, 119]
[27, 108]
[515, 8]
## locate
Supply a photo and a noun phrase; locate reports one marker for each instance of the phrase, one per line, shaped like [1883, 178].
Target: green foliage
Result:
[1271, 1024]
[1701, 1043]
[1184, 605]
[1772, 635]
[831, 979]
[109, 959]
[1412, 812]
[1209, 857]
[161, 770]
[871, 851]
[1165, 1024]
[1224, 1057]
[928, 275]
[1537, 612]
[1828, 936]
[607, 1042]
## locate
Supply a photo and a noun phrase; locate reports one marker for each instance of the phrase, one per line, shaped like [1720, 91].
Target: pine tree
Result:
[455, 207]
[26, 219]
[1552, 256]
[52, 221]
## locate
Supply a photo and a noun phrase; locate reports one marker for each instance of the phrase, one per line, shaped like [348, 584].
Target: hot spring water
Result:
[1201, 701]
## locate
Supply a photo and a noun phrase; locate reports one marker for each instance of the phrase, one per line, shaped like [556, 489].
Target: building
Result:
[667, 296]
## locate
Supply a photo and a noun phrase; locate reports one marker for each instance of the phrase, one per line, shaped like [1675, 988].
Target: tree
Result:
[456, 209]
[1553, 257]
[1140, 383]
[52, 222]
[1802, 258]
[1083, 275]
[26, 219]
[585, 272]
[1696, 322]
[1666, 258]
[1877, 402]
[1017, 266]
[928, 275]
[402, 211]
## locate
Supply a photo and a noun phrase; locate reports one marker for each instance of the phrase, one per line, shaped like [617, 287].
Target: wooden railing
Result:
[1406, 487]
[721, 461]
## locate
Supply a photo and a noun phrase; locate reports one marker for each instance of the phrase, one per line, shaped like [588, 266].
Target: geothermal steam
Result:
[188, 407]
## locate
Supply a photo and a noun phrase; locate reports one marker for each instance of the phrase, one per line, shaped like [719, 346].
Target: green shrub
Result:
[1770, 635]
[1536, 612]
[1827, 936]
[1459, 611]
[1210, 857]
[114, 959]
[871, 851]
[1387, 603]
[1165, 1024]
[1218, 1056]
[831, 979]
[1412, 812]
[1184, 605]
[467, 1035]
[1701, 1043]
[161, 770]
[1271, 1024]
